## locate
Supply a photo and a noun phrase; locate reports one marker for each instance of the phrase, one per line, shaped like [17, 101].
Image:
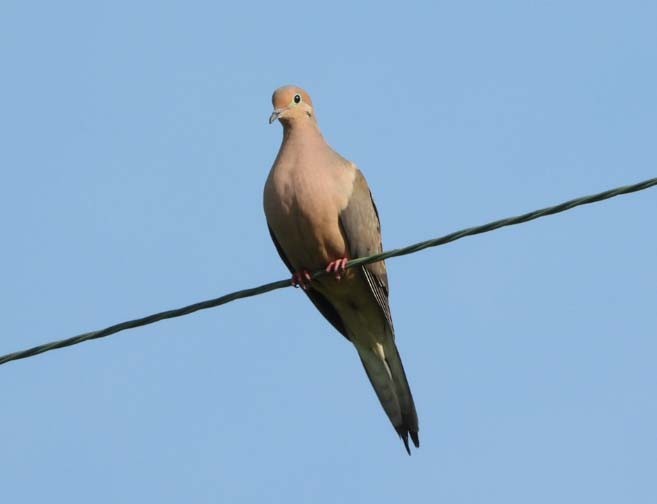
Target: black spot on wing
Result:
[380, 291]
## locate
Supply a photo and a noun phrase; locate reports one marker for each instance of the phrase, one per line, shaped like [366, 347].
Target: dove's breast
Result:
[303, 199]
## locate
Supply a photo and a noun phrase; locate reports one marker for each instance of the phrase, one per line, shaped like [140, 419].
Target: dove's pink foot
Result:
[337, 267]
[302, 279]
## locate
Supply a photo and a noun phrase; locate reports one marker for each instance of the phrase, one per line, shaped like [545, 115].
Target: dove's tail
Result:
[385, 370]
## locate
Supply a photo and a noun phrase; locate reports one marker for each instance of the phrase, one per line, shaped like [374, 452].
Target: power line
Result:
[411, 249]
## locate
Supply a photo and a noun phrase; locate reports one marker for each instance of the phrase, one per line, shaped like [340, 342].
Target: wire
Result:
[411, 249]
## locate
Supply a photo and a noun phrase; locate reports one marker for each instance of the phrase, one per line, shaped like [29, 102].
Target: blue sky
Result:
[135, 149]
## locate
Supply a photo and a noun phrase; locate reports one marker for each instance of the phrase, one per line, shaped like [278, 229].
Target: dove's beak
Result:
[275, 115]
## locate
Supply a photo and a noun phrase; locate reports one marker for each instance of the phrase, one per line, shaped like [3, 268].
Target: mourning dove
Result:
[320, 213]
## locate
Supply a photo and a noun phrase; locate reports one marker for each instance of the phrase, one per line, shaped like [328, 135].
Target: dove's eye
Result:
[297, 98]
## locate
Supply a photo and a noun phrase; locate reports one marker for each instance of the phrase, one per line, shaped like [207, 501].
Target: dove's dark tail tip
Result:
[403, 432]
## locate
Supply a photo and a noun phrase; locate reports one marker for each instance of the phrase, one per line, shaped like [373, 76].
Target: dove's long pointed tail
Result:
[385, 370]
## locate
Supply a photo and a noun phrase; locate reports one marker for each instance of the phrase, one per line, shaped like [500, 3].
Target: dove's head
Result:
[291, 104]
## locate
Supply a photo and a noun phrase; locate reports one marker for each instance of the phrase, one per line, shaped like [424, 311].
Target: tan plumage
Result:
[319, 209]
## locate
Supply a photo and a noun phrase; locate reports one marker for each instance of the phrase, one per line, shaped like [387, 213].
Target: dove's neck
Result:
[305, 135]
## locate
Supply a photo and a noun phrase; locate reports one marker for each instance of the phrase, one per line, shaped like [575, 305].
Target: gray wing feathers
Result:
[362, 231]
